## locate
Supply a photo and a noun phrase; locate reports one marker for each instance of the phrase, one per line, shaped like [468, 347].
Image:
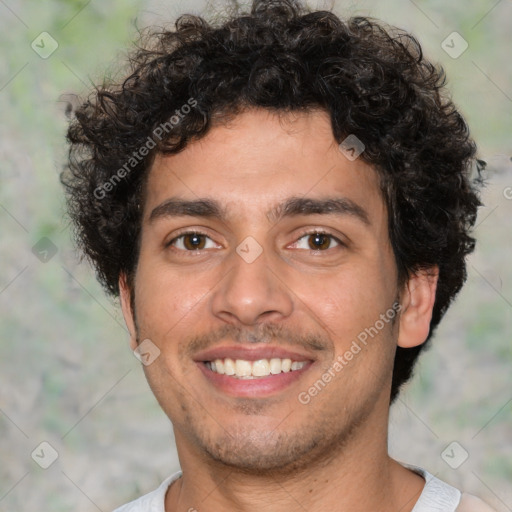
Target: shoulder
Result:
[470, 503]
[439, 495]
[153, 501]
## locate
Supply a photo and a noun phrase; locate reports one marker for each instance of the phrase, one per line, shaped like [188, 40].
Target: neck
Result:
[356, 476]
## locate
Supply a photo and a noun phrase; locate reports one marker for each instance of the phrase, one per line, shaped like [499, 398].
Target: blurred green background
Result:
[68, 376]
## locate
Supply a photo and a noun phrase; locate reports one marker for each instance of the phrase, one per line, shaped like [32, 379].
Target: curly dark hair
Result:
[372, 80]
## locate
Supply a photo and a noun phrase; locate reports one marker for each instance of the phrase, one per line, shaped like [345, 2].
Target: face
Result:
[262, 244]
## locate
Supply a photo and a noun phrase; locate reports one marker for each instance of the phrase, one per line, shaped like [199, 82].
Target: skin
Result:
[272, 452]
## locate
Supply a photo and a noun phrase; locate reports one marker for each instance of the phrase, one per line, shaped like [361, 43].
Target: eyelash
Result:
[306, 233]
[322, 232]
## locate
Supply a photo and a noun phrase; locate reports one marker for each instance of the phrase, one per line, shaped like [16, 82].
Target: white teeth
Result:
[219, 365]
[261, 368]
[275, 366]
[229, 366]
[243, 369]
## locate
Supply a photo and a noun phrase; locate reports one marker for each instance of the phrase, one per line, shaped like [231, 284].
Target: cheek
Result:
[166, 300]
[349, 301]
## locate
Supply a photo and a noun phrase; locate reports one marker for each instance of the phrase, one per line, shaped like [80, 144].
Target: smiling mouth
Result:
[244, 369]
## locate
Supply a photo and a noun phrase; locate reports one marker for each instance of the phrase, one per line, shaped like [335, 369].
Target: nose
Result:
[251, 292]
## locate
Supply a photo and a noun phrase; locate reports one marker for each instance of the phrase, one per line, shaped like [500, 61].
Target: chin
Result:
[255, 451]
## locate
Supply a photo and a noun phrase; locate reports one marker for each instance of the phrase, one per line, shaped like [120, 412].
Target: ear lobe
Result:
[418, 302]
[125, 298]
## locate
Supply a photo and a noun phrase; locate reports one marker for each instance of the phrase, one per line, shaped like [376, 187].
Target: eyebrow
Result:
[292, 207]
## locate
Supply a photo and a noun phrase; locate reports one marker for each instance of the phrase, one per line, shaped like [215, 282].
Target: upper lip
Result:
[252, 353]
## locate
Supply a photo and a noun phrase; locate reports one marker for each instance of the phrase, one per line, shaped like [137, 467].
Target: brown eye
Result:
[191, 241]
[319, 241]
[194, 241]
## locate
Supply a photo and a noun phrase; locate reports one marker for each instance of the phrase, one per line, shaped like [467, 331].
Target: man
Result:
[283, 204]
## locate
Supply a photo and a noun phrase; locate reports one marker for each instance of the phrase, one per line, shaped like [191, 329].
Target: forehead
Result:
[259, 160]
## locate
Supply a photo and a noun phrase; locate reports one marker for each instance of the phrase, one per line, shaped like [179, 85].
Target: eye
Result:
[191, 241]
[317, 241]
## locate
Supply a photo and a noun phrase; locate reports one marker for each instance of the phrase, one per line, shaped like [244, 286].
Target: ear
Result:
[125, 297]
[418, 299]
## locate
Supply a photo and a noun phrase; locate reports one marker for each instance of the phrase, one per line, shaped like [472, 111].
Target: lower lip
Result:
[258, 387]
